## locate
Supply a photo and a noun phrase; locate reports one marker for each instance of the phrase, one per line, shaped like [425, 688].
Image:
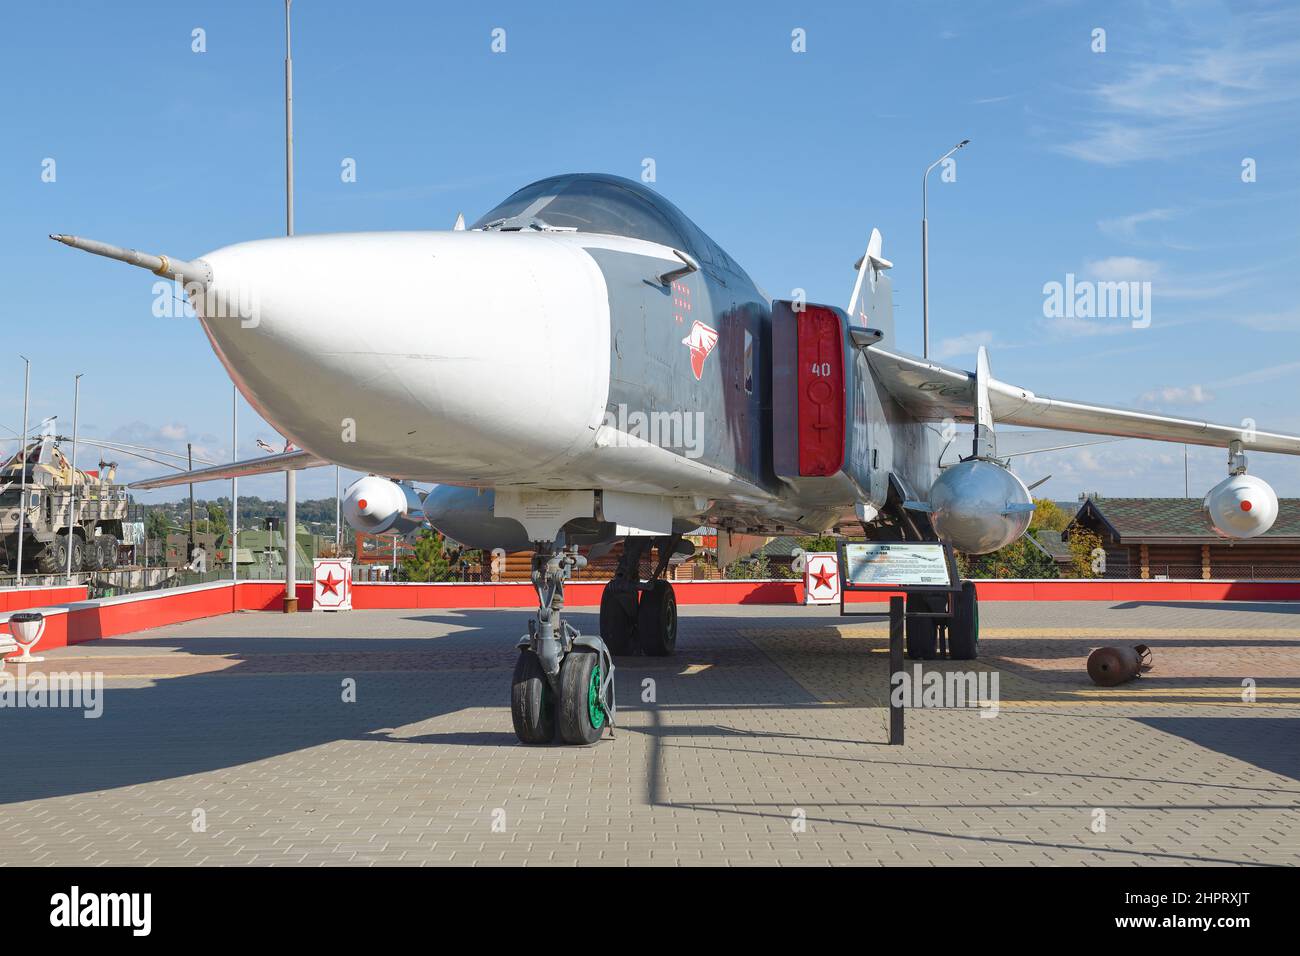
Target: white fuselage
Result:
[469, 358]
[421, 355]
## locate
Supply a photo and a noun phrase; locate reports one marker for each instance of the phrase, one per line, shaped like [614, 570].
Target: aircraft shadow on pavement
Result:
[201, 722]
[1271, 607]
[1270, 743]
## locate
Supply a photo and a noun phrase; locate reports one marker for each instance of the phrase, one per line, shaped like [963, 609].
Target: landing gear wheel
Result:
[582, 719]
[617, 629]
[964, 632]
[923, 632]
[656, 620]
[532, 706]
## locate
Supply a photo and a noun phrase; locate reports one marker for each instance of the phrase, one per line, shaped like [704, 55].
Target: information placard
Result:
[895, 562]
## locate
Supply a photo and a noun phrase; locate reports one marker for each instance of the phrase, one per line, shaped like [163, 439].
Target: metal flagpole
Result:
[72, 499]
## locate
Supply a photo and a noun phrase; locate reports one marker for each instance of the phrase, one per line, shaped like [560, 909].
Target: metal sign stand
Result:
[898, 615]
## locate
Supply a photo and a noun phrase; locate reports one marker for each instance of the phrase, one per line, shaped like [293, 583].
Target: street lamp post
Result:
[925, 252]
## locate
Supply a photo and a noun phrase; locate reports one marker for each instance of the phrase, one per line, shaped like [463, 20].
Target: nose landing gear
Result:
[563, 679]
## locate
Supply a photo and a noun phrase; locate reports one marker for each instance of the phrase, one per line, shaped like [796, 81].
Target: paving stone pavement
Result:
[228, 741]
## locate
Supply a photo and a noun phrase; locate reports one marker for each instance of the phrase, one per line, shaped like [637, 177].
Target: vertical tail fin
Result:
[872, 302]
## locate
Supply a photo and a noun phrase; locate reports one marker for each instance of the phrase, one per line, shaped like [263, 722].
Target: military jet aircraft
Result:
[584, 365]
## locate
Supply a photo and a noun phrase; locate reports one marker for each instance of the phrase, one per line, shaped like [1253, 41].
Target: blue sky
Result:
[1122, 164]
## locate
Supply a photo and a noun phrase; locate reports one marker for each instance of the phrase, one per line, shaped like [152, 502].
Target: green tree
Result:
[1049, 516]
[1082, 544]
[1020, 559]
[426, 562]
[218, 523]
[749, 569]
[155, 524]
[821, 542]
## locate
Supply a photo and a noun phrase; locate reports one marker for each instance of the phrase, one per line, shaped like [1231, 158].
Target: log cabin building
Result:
[1169, 538]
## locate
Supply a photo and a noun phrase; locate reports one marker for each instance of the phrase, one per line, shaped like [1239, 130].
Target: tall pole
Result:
[189, 454]
[338, 516]
[925, 277]
[925, 252]
[22, 506]
[234, 484]
[72, 498]
[290, 477]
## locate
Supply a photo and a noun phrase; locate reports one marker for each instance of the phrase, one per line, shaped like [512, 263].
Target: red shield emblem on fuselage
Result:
[701, 342]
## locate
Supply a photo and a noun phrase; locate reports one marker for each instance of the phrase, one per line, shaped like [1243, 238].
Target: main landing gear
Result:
[961, 630]
[563, 681]
[641, 616]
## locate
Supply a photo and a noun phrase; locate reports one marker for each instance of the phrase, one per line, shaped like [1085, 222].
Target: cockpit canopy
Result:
[609, 205]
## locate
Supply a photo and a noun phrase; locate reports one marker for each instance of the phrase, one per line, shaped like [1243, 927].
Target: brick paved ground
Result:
[764, 745]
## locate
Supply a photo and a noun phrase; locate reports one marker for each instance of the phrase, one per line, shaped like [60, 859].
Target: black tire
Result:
[656, 620]
[78, 553]
[107, 552]
[94, 554]
[923, 632]
[964, 632]
[617, 628]
[531, 705]
[53, 558]
[581, 718]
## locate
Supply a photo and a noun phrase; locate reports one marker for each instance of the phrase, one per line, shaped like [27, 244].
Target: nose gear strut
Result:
[557, 662]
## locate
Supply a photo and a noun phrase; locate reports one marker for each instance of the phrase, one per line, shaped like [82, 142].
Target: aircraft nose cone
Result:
[437, 356]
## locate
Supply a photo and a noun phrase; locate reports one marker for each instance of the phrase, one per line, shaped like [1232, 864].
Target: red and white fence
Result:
[72, 619]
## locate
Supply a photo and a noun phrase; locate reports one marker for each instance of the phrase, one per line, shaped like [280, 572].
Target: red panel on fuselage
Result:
[821, 392]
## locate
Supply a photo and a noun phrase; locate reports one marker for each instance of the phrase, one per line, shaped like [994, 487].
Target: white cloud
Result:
[1259, 375]
[1239, 74]
[1123, 269]
[1176, 395]
[1125, 228]
[1272, 321]
[967, 344]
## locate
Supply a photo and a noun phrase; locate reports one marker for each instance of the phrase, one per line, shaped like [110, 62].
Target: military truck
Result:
[93, 532]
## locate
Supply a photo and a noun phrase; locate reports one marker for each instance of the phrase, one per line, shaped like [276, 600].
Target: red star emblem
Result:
[330, 585]
[822, 577]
